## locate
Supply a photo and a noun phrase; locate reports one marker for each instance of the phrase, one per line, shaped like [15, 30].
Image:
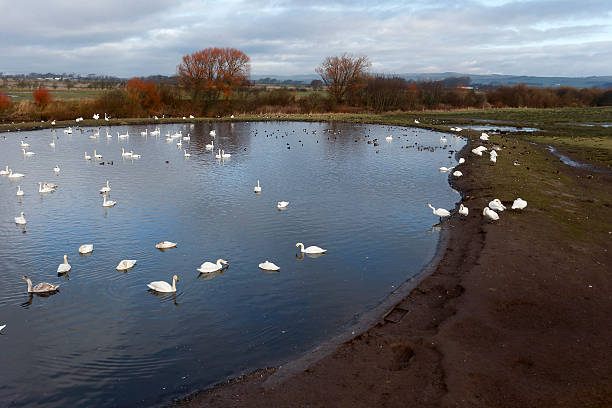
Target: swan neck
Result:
[29, 285]
[173, 285]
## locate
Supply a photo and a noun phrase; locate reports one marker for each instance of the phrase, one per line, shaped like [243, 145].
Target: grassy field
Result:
[59, 93]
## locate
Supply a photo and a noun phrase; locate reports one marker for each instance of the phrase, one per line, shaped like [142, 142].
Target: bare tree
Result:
[343, 73]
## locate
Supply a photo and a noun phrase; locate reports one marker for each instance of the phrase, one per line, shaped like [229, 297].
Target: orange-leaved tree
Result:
[343, 73]
[5, 101]
[213, 72]
[42, 96]
[145, 93]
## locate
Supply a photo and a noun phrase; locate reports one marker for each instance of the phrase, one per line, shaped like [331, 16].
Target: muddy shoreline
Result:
[515, 313]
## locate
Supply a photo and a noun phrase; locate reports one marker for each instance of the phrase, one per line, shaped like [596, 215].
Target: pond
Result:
[104, 339]
[497, 129]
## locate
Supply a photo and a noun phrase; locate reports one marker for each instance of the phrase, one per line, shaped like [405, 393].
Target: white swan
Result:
[416, 121]
[165, 245]
[2, 327]
[268, 266]
[145, 133]
[463, 210]
[225, 155]
[135, 156]
[19, 191]
[490, 214]
[20, 220]
[87, 157]
[52, 186]
[96, 155]
[108, 203]
[161, 286]
[24, 144]
[155, 132]
[44, 189]
[493, 158]
[179, 143]
[444, 169]
[187, 154]
[493, 153]
[282, 204]
[86, 249]
[212, 133]
[64, 267]
[313, 249]
[187, 138]
[52, 144]
[484, 136]
[108, 135]
[27, 153]
[389, 138]
[218, 155]
[126, 154]
[208, 267]
[56, 168]
[461, 160]
[257, 188]
[519, 204]
[496, 205]
[126, 135]
[4, 172]
[442, 139]
[457, 173]
[440, 212]
[42, 287]
[210, 146]
[14, 175]
[68, 131]
[126, 264]
[105, 189]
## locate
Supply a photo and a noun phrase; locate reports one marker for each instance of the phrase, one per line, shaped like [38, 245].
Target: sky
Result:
[128, 38]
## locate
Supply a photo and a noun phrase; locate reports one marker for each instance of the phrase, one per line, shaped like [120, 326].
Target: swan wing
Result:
[314, 250]
[63, 268]
[45, 287]
[160, 286]
[207, 267]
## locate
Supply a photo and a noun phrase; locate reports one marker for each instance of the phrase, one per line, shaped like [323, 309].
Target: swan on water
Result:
[126, 154]
[155, 132]
[145, 133]
[461, 160]
[14, 175]
[496, 205]
[68, 131]
[135, 156]
[187, 154]
[212, 133]
[52, 144]
[96, 155]
[126, 135]
[108, 203]
[44, 189]
[52, 186]
[24, 144]
[208, 267]
[27, 153]
[313, 249]
[268, 266]
[165, 245]
[389, 138]
[86, 249]
[20, 220]
[519, 204]
[457, 173]
[490, 214]
[225, 155]
[463, 210]
[444, 169]
[56, 168]
[257, 188]
[2, 327]
[440, 212]
[4, 172]
[179, 143]
[126, 264]
[282, 204]
[19, 191]
[87, 157]
[218, 155]
[106, 188]
[64, 267]
[108, 135]
[161, 286]
[187, 138]
[442, 139]
[42, 287]
[210, 146]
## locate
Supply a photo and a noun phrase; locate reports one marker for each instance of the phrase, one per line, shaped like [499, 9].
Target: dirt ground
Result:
[518, 313]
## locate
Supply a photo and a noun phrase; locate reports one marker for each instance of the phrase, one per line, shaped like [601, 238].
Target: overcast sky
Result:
[288, 37]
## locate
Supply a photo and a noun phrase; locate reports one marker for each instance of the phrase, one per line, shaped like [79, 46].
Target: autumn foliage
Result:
[344, 74]
[42, 96]
[146, 94]
[5, 101]
[213, 72]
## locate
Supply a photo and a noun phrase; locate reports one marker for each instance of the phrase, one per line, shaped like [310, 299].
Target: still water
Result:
[105, 340]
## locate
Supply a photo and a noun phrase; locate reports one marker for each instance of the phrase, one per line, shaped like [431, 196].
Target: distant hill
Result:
[488, 80]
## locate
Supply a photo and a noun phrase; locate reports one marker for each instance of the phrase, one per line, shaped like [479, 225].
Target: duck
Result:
[208, 267]
[257, 188]
[27, 153]
[313, 249]
[21, 219]
[56, 168]
[161, 286]
[282, 204]
[5, 172]
[42, 287]
[108, 203]
[19, 191]
[64, 267]
[463, 210]
[165, 245]
[105, 189]
[87, 157]
[44, 189]
[269, 266]
[519, 204]
[457, 173]
[210, 146]
[86, 249]
[490, 214]
[126, 264]
[440, 212]
[496, 205]
[96, 155]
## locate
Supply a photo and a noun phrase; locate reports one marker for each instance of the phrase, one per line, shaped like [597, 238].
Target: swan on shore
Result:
[461, 160]
[161, 286]
[497, 205]
[484, 136]
[126, 264]
[108, 203]
[42, 287]
[208, 267]
[282, 204]
[86, 249]
[269, 266]
[105, 189]
[64, 267]
[490, 214]
[463, 210]
[313, 249]
[519, 204]
[19, 191]
[165, 245]
[457, 173]
[257, 188]
[21, 219]
[440, 212]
